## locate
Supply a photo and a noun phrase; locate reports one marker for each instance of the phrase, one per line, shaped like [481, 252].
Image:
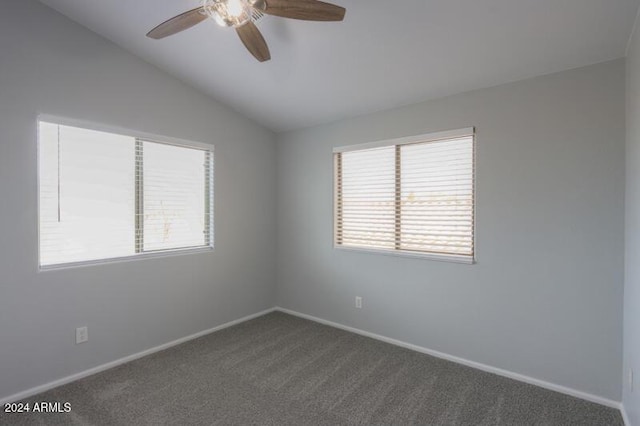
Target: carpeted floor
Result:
[283, 370]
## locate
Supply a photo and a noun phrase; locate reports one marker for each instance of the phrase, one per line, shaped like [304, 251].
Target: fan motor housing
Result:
[229, 13]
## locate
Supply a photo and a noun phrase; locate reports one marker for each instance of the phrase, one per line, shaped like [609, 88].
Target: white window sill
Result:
[139, 256]
[411, 254]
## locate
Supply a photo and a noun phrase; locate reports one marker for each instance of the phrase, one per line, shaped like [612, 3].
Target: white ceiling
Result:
[385, 53]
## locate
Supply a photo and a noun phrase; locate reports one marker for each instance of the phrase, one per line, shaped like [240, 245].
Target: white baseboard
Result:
[468, 363]
[72, 378]
[625, 416]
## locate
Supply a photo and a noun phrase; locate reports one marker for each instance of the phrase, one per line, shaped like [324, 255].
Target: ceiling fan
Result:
[241, 15]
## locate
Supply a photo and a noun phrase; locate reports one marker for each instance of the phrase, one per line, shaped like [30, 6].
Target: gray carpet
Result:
[283, 370]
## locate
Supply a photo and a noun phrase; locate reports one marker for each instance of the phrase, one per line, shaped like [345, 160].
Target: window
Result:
[413, 195]
[105, 195]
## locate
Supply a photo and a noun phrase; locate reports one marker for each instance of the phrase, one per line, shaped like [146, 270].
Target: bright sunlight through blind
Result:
[105, 195]
[414, 195]
[176, 183]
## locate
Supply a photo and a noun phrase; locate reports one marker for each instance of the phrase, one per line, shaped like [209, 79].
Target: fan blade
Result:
[308, 10]
[253, 41]
[178, 23]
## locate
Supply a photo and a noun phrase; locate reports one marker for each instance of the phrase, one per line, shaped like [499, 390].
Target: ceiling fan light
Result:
[228, 13]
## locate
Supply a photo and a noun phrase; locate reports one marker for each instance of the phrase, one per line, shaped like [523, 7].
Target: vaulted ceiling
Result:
[384, 54]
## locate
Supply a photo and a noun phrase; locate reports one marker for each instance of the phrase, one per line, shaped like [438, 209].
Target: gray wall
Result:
[49, 64]
[545, 297]
[631, 399]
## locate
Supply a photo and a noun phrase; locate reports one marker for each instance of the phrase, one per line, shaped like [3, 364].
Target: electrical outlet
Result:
[631, 379]
[358, 302]
[82, 334]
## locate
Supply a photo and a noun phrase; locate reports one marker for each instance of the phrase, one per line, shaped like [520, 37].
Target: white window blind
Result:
[104, 195]
[175, 182]
[413, 195]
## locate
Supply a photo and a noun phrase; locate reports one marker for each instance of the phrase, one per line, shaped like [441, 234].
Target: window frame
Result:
[417, 139]
[145, 136]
